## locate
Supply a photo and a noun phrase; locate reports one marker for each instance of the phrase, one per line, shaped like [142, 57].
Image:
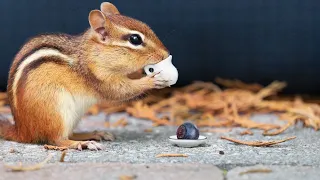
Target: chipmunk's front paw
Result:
[71, 144]
[156, 81]
[160, 83]
[106, 136]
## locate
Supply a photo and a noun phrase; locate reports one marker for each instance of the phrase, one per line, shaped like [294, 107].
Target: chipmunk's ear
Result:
[99, 22]
[108, 9]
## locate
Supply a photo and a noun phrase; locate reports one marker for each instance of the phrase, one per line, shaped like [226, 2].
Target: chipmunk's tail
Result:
[7, 129]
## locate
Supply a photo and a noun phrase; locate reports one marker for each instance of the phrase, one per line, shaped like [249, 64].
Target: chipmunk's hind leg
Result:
[70, 144]
[96, 135]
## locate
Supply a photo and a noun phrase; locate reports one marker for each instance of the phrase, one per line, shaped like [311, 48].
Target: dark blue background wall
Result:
[252, 40]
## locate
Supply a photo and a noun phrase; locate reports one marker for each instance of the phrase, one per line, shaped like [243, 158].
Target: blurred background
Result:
[251, 40]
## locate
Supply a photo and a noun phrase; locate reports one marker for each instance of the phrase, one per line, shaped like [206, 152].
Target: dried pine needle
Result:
[256, 171]
[172, 155]
[29, 168]
[63, 155]
[238, 84]
[279, 131]
[126, 177]
[120, 122]
[258, 143]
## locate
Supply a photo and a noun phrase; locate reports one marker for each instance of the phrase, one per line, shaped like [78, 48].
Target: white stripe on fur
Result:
[34, 57]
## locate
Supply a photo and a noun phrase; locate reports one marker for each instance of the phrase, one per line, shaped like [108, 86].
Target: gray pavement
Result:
[112, 171]
[137, 148]
[277, 173]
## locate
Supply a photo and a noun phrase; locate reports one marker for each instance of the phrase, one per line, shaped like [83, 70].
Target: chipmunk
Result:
[55, 78]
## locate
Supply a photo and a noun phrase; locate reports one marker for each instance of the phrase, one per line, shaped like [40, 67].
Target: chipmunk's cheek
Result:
[168, 72]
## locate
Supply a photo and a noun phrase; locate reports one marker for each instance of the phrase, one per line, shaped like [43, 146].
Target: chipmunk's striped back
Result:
[39, 50]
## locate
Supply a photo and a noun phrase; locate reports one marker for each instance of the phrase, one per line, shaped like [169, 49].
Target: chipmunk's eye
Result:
[135, 39]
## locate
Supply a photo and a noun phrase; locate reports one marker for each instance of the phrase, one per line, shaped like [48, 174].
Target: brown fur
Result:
[100, 70]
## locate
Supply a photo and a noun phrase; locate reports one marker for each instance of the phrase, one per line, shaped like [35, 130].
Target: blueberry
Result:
[187, 131]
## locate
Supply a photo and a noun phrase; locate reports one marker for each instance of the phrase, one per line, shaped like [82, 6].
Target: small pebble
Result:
[221, 152]
[12, 150]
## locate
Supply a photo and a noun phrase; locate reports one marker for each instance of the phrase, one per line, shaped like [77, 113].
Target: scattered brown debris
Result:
[59, 148]
[258, 143]
[63, 155]
[256, 171]
[246, 132]
[125, 177]
[29, 168]
[172, 155]
[148, 130]
[209, 106]
[239, 84]
[120, 123]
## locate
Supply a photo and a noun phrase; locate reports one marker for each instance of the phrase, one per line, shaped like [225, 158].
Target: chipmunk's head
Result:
[123, 44]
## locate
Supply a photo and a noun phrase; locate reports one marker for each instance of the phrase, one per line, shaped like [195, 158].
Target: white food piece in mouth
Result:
[167, 70]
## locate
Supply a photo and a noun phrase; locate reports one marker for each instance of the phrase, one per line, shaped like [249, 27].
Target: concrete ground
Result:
[133, 154]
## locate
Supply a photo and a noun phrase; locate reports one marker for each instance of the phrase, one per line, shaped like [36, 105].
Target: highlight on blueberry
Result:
[187, 131]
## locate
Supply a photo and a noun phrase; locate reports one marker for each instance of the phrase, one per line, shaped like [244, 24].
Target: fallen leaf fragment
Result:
[256, 171]
[172, 155]
[258, 143]
[29, 168]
